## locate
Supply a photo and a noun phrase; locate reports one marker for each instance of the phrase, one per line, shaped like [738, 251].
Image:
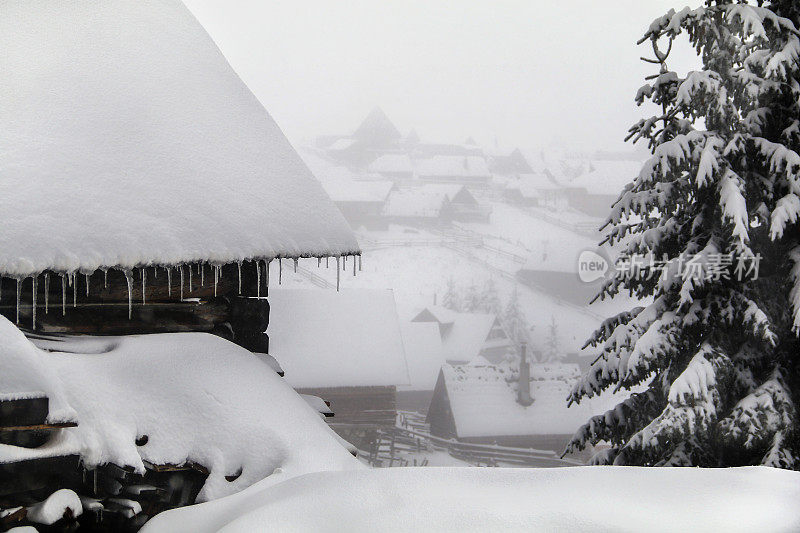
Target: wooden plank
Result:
[24, 411]
[40, 427]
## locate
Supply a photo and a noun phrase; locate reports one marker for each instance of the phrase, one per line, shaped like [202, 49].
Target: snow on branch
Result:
[759, 416]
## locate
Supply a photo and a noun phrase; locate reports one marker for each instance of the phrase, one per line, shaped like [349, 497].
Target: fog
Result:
[515, 73]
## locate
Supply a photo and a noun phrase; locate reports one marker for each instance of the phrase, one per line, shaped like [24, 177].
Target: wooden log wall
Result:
[203, 298]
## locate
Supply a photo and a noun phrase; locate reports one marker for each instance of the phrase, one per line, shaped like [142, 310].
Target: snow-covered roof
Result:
[337, 339]
[453, 166]
[392, 164]
[415, 202]
[130, 140]
[452, 191]
[377, 129]
[424, 354]
[344, 143]
[198, 398]
[463, 334]
[583, 498]
[607, 177]
[483, 401]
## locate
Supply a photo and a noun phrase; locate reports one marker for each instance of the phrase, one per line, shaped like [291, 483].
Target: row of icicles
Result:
[71, 280]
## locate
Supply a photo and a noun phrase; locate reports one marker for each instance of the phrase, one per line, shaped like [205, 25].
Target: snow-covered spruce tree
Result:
[451, 299]
[552, 348]
[490, 301]
[717, 357]
[514, 321]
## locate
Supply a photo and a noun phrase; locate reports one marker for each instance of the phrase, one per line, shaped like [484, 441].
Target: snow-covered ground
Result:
[197, 397]
[498, 499]
[417, 265]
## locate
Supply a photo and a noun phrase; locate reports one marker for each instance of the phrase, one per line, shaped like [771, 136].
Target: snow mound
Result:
[131, 141]
[197, 397]
[55, 506]
[499, 499]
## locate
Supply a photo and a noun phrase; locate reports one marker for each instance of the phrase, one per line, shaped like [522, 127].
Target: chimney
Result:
[524, 384]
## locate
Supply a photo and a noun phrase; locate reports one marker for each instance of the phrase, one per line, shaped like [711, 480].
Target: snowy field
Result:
[498, 499]
[417, 265]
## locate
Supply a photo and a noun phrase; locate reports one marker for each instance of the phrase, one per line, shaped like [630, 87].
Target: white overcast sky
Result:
[529, 73]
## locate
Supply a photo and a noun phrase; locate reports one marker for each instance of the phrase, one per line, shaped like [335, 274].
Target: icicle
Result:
[155, 272]
[129, 281]
[344, 263]
[354, 266]
[295, 265]
[18, 283]
[87, 284]
[144, 284]
[63, 295]
[239, 266]
[338, 273]
[202, 274]
[266, 263]
[258, 279]
[359, 263]
[180, 267]
[169, 281]
[319, 261]
[280, 270]
[74, 289]
[216, 278]
[105, 279]
[46, 290]
[33, 301]
[326, 262]
[190, 279]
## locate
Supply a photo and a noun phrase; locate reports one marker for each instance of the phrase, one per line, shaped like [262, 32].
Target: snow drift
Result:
[197, 397]
[126, 140]
[499, 499]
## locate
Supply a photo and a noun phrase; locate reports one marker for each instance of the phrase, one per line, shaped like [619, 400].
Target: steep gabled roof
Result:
[129, 140]
[323, 338]
[377, 129]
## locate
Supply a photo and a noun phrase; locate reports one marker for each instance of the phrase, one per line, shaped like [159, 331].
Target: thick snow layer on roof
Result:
[453, 499]
[463, 334]
[453, 166]
[453, 191]
[608, 177]
[344, 185]
[196, 396]
[483, 401]
[131, 141]
[424, 354]
[415, 203]
[392, 164]
[324, 338]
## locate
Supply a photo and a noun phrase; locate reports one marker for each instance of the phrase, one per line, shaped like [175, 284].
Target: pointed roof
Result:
[131, 141]
[377, 129]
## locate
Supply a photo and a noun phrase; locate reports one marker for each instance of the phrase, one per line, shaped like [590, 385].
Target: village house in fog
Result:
[345, 347]
[480, 403]
[466, 336]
